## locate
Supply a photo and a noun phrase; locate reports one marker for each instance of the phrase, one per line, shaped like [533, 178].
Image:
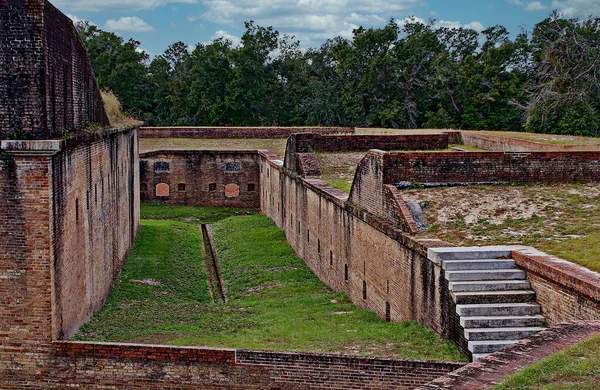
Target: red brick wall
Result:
[197, 171]
[96, 365]
[236, 132]
[96, 216]
[543, 167]
[47, 85]
[496, 143]
[566, 291]
[332, 235]
[58, 261]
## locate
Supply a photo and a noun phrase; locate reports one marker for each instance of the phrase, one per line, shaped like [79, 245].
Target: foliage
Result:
[404, 75]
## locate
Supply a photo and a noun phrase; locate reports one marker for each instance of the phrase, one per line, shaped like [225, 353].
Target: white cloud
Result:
[517, 2]
[578, 8]
[474, 25]
[535, 6]
[115, 5]
[311, 21]
[74, 18]
[224, 34]
[128, 24]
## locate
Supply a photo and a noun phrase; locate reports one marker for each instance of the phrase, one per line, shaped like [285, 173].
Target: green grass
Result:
[341, 184]
[576, 367]
[276, 145]
[275, 301]
[190, 214]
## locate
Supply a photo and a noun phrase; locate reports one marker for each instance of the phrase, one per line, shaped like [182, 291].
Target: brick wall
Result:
[348, 247]
[468, 167]
[101, 365]
[236, 132]
[566, 291]
[200, 178]
[47, 86]
[59, 257]
[96, 216]
[497, 143]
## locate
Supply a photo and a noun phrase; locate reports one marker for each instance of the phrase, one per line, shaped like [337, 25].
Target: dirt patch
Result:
[147, 282]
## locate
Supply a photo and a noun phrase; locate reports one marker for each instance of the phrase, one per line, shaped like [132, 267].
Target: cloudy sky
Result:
[158, 23]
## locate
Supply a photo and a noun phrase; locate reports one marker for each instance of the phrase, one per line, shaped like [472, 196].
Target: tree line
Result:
[409, 75]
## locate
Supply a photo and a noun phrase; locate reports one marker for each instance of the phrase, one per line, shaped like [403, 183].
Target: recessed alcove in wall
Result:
[162, 189]
[232, 190]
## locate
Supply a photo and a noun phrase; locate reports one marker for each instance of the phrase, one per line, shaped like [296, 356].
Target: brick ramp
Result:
[493, 368]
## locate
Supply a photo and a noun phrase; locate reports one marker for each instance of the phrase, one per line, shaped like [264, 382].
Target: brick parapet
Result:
[497, 143]
[236, 132]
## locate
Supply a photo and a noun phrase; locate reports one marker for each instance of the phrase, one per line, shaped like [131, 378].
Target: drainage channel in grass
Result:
[274, 301]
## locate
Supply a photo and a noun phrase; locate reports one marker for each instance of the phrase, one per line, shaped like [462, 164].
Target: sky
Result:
[158, 23]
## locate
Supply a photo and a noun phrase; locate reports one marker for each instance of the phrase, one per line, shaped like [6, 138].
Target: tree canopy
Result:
[404, 75]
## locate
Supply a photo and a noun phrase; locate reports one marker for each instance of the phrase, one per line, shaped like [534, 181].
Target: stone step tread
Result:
[507, 333]
[488, 274]
[498, 309]
[489, 285]
[477, 261]
[493, 297]
[536, 316]
[489, 346]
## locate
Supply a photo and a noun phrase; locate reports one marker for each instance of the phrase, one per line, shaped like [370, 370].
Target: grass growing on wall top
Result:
[275, 301]
[576, 367]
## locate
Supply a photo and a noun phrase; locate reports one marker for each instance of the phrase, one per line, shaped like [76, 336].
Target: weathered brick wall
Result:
[236, 132]
[47, 86]
[200, 178]
[497, 143]
[566, 291]
[349, 249]
[58, 258]
[98, 365]
[96, 216]
[313, 142]
[468, 167]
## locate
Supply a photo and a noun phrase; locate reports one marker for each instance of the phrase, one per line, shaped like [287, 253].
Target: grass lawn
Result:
[562, 219]
[276, 145]
[577, 367]
[275, 301]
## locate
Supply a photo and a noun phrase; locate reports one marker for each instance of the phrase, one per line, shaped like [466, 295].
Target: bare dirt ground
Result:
[563, 220]
[555, 139]
[152, 144]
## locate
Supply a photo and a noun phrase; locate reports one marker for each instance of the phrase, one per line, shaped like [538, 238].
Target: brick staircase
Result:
[493, 298]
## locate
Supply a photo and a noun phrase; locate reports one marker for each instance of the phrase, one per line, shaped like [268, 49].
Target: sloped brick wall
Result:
[47, 86]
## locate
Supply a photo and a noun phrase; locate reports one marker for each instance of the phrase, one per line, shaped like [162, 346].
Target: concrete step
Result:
[437, 255]
[477, 356]
[495, 334]
[489, 285]
[456, 265]
[478, 297]
[496, 310]
[490, 274]
[502, 322]
[485, 347]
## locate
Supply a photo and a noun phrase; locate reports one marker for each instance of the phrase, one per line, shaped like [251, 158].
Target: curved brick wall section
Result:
[47, 85]
[236, 132]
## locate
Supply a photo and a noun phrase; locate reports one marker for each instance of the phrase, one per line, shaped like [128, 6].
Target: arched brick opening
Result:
[232, 190]
[162, 189]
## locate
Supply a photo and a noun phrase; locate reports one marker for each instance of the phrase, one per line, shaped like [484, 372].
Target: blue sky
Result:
[158, 23]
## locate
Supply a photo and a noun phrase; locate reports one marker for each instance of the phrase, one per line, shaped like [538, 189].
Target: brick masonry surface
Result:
[497, 143]
[492, 369]
[200, 178]
[47, 86]
[237, 132]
